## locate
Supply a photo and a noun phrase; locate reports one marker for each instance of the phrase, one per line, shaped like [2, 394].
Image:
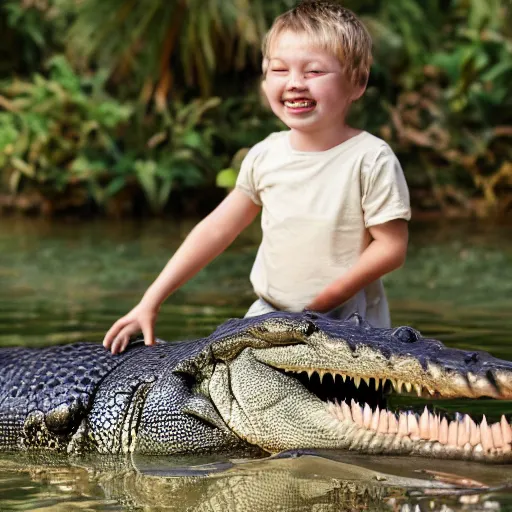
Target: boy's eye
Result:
[315, 72]
[279, 70]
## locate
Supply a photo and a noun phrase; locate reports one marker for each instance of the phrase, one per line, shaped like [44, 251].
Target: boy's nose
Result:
[296, 81]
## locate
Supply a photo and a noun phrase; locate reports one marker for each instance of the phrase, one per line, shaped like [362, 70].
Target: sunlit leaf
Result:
[226, 178]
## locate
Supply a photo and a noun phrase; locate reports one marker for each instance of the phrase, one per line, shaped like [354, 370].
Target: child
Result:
[334, 200]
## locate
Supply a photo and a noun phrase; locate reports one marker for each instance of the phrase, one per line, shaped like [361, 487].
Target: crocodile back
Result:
[44, 380]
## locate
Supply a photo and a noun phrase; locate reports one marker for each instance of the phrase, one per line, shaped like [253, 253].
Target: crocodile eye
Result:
[407, 334]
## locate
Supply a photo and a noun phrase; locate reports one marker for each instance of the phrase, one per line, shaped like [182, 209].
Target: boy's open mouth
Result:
[299, 103]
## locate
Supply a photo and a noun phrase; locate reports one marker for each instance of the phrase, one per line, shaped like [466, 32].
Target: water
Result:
[65, 282]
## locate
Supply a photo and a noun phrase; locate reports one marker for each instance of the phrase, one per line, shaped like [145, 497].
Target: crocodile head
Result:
[283, 381]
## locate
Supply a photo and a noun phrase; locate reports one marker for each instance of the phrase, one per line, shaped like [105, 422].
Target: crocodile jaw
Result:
[267, 408]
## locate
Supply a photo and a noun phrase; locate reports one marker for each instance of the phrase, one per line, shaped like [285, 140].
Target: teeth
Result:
[347, 413]
[424, 424]
[506, 431]
[357, 413]
[433, 427]
[412, 427]
[486, 436]
[452, 433]
[461, 434]
[474, 433]
[402, 425]
[393, 423]
[374, 425]
[443, 431]
[298, 104]
[496, 435]
[383, 427]
[367, 416]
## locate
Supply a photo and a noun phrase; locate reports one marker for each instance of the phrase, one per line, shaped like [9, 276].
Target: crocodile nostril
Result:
[471, 358]
[406, 334]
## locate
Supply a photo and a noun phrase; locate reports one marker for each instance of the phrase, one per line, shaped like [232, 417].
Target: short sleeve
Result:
[247, 179]
[385, 195]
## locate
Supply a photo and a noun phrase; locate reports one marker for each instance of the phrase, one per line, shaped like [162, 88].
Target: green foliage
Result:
[35, 28]
[52, 126]
[456, 115]
[439, 93]
[175, 43]
[64, 132]
[180, 151]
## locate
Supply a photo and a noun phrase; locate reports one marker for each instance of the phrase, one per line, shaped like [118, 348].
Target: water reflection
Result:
[309, 482]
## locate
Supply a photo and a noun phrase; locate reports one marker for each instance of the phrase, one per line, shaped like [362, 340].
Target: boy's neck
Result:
[321, 141]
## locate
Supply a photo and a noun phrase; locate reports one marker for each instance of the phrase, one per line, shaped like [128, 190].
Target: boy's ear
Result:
[358, 91]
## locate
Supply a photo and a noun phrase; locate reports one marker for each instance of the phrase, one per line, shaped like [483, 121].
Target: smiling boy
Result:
[334, 200]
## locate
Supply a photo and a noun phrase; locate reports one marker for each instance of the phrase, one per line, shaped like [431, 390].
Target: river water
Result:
[68, 281]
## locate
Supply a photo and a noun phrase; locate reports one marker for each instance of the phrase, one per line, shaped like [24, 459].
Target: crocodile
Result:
[275, 382]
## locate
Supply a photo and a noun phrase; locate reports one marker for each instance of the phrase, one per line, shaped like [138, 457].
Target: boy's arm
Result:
[385, 253]
[205, 242]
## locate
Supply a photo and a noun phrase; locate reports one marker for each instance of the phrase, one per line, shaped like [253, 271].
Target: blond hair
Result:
[332, 28]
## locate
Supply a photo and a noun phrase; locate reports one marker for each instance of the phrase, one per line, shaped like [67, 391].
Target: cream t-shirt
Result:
[316, 208]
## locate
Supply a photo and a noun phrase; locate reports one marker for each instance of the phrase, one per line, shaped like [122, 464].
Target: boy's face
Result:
[306, 86]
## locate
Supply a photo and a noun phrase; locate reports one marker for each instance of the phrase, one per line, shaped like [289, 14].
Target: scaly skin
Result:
[237, 389]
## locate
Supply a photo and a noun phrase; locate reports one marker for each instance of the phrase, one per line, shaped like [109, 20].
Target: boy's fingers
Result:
[116, 345]
[147, 332]
[114, 331]
[124, 344]
[123, 338]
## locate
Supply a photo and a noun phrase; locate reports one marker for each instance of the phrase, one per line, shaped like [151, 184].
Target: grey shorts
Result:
[261, 307]
[377, 314]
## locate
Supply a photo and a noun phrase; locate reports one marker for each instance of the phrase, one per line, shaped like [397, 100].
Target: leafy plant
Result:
[36, 28]
[173, 44]
[51, 126]
[180, 152]
[458, 118]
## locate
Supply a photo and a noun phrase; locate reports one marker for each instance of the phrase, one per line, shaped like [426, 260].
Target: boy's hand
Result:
[140, 318]
[385, 253]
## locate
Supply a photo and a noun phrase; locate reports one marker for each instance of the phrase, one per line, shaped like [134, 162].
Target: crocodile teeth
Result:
[460, 434]
[357, 413]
